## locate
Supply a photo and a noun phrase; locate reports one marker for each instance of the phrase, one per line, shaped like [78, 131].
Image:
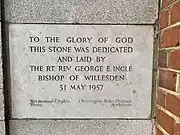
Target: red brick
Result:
[177, 129]
[167, 79]
[175, 13]
[160, 98]
[160, 40]
[166, 2]
[162, 59]
[173, 104]
[174, 59]
[164, 18]
[165, 121]
[170, 37]
[158, 132]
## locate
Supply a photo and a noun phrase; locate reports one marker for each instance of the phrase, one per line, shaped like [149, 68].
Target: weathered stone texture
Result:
[81, 127]
[82, 11]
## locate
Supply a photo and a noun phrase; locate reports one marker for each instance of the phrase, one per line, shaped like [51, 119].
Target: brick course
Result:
[161, 98]
[166, 122]
[162, 60]
[168, 96]
[164, 19]
[167, 79]
[175, 11]
[174, 59]
[170, 37]
[172, 104]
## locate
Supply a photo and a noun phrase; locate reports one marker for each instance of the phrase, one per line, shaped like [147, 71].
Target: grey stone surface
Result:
[1, 83]
[2, 128]
[81, 127]
[128, 98]
[82, 11]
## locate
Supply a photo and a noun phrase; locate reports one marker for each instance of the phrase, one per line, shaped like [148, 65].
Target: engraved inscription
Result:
[74, 71]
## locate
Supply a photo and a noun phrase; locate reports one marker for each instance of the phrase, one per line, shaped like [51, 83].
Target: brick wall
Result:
[168, 91]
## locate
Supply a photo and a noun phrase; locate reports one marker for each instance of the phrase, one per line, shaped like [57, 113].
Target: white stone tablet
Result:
[81, 71]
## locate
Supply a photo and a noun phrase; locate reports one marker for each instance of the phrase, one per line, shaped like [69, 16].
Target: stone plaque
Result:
[81, 71]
